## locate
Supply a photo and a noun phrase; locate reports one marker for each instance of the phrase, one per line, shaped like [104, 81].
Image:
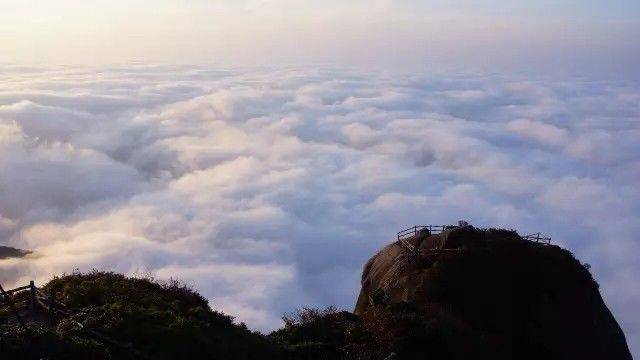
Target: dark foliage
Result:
[403, 329]
[159, 320]
[41, 343]
[315, 334]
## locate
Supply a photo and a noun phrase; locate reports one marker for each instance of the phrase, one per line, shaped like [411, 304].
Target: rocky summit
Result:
[521, 298]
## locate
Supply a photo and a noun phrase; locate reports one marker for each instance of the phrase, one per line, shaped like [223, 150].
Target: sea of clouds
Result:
[268, 189]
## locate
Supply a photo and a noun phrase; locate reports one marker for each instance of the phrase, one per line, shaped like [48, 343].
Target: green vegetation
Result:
[316, 334]
[159, 320]
[400, 328]
[41, 343]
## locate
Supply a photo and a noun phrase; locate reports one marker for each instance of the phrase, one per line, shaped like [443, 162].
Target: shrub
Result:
[164, 320]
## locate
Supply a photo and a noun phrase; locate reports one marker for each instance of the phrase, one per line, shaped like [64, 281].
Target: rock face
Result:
[526, 300]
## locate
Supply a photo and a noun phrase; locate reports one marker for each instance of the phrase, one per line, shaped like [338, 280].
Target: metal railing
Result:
[436, 229]
[538, 238]
[414, 230]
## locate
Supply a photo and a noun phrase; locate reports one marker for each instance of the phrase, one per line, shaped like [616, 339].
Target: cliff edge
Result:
[523, 299]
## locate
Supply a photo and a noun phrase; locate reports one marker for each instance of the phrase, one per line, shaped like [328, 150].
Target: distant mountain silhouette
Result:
[9, 252]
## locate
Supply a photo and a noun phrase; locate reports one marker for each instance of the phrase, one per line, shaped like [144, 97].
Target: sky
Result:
[262, 151]
[585, 36]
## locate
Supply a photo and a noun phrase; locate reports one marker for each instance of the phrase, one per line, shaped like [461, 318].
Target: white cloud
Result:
[544, 133]
[268, 190]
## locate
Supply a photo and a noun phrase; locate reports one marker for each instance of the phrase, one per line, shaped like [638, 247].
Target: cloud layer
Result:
[268, 189]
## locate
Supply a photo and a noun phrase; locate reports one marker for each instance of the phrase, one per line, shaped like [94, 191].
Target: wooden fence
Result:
[30, 298]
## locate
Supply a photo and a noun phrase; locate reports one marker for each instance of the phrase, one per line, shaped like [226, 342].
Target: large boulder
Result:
[524, 299]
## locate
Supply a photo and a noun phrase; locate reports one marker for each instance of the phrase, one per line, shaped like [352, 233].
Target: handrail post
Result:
[32, 294]
[12, 307]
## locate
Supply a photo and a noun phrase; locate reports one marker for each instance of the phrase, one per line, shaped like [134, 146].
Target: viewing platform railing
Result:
[414, 230]
[538, 238]
[436, 229]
